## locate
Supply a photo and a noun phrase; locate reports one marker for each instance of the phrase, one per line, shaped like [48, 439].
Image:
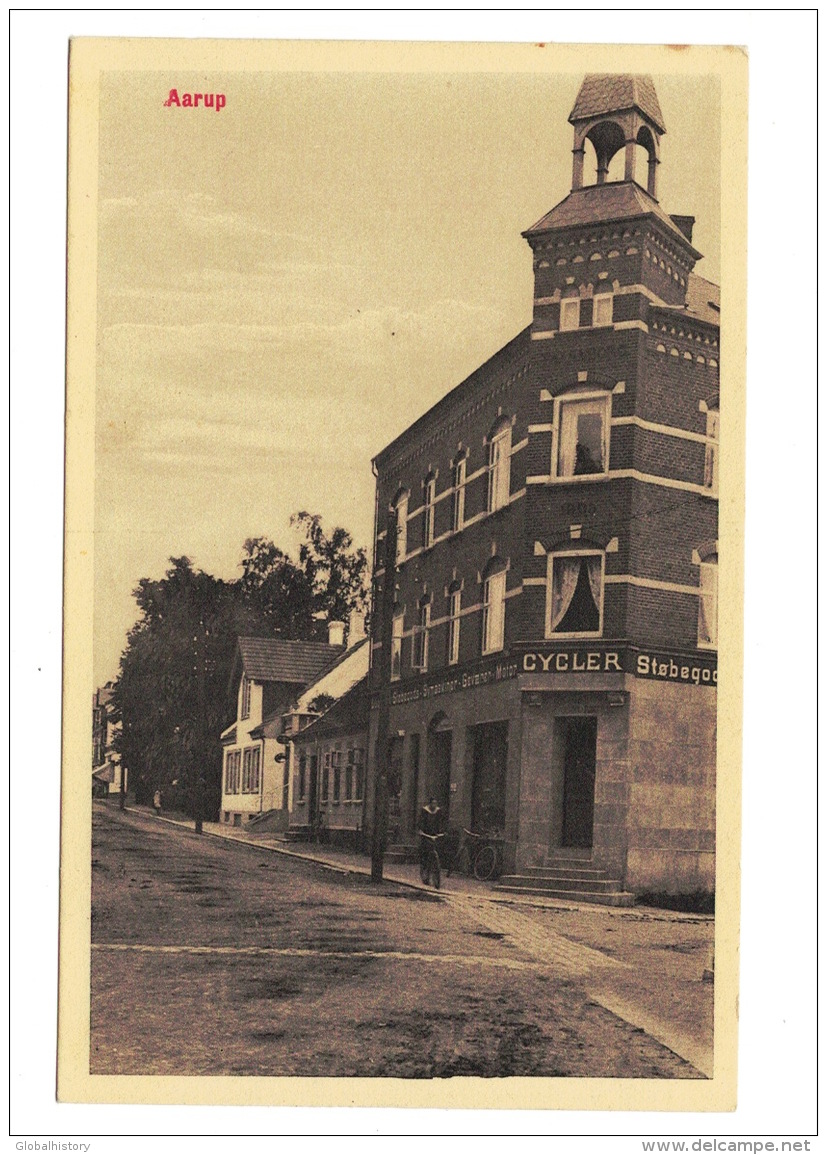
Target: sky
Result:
[286, 284]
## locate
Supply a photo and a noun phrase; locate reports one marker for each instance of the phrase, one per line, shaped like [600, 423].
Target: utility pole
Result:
[384, 667]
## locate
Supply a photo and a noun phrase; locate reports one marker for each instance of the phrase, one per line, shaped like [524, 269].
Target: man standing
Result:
[430, 822]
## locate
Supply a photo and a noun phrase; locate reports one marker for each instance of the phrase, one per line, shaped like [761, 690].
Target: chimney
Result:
[335, 633]
[356, 628]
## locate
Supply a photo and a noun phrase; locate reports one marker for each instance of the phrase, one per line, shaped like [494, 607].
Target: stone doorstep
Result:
[599, 884]
[609, 898]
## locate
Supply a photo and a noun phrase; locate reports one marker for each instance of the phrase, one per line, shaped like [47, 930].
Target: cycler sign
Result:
[696, 670]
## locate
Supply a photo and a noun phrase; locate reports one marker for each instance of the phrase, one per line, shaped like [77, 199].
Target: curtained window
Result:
[708, 605]
[574, 594]
[582, 436]
[499, 464]
[493, 613]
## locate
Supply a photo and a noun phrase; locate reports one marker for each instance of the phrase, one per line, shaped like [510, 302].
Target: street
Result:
[215, 958]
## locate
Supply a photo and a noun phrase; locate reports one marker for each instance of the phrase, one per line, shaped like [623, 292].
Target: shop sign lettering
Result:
[461, 680]
[572, 662]
[675, 670]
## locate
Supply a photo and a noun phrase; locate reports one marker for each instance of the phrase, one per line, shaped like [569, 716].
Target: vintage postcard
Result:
[405, 453]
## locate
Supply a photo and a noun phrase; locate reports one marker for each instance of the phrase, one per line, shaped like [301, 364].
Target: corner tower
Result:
[614, 113]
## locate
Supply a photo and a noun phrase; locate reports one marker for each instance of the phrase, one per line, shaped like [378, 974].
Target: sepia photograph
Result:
[393, 477]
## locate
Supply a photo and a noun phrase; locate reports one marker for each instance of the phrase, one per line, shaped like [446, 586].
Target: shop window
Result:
[582, 435]
[454, 605]
[499, 468]
[602, 309]
[493, 612]
[574, 597]
[396, 646]
[420, 640]
[570, 313]
[713, 421]
[401, 506]
[458, 505]
[708, 604]
[245, 697]
[428, 520]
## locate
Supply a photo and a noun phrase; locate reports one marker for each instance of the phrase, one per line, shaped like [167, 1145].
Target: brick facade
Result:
[583, 700]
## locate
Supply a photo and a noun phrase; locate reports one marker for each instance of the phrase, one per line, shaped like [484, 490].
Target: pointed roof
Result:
[275, 660]
[599, 203]
[349, 714]
[603, 93]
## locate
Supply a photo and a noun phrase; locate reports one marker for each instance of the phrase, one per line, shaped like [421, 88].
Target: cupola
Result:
[617, 112]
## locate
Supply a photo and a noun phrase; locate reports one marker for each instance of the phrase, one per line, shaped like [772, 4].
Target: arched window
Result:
[493, 607]
[499, 465]
[574, 593]
[708, 603]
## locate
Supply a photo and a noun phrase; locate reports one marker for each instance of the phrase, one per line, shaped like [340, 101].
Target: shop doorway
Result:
[577, 739]
[488, 790]
[440, 743]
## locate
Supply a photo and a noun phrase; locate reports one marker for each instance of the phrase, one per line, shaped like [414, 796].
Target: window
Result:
[458, 509]
[325, 776]
[428, 527]
[336, 759]
[359, 775]
[602, 309]
[302, 778]
[419, 660]
[349, 774]
[454, 603]
[396, 646]
[582, 436]
[493, 613]
[570, 313]
[708, 604]
[499, 465]
[401, 527]
[245, 697]
[251, 773]
[574, 594]
[713, 421]
[232, 772]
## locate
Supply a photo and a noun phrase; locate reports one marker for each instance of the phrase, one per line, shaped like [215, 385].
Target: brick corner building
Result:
[554, 624]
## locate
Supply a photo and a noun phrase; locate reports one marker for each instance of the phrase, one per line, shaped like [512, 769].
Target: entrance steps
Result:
[571, 876]
[296, 834]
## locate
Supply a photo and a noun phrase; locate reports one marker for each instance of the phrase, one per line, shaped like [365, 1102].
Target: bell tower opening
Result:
[617, 125]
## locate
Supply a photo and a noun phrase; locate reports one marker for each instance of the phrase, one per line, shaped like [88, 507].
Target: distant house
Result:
[106, 763]
[268, 677]
[327, 732]
[329, 761]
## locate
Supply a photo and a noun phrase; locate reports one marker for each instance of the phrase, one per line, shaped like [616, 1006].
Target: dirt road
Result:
[218, 958]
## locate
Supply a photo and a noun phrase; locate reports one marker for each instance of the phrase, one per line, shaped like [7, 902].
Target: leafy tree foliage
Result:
[173, 697]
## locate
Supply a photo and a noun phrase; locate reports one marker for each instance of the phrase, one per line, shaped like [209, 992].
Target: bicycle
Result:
[430, 868]
[480, 855]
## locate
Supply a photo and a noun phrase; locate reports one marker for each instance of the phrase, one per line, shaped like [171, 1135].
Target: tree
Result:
[334, 570]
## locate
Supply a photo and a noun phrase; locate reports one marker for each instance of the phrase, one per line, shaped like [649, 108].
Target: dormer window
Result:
[582, 435]
[246, 686]
[570, 313]
[602, 309]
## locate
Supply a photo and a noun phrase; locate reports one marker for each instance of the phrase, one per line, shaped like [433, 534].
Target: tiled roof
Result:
[274, 660]
[616, 201]
[604, 93]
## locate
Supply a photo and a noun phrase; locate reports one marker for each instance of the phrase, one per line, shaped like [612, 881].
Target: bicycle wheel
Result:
[485, 864]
